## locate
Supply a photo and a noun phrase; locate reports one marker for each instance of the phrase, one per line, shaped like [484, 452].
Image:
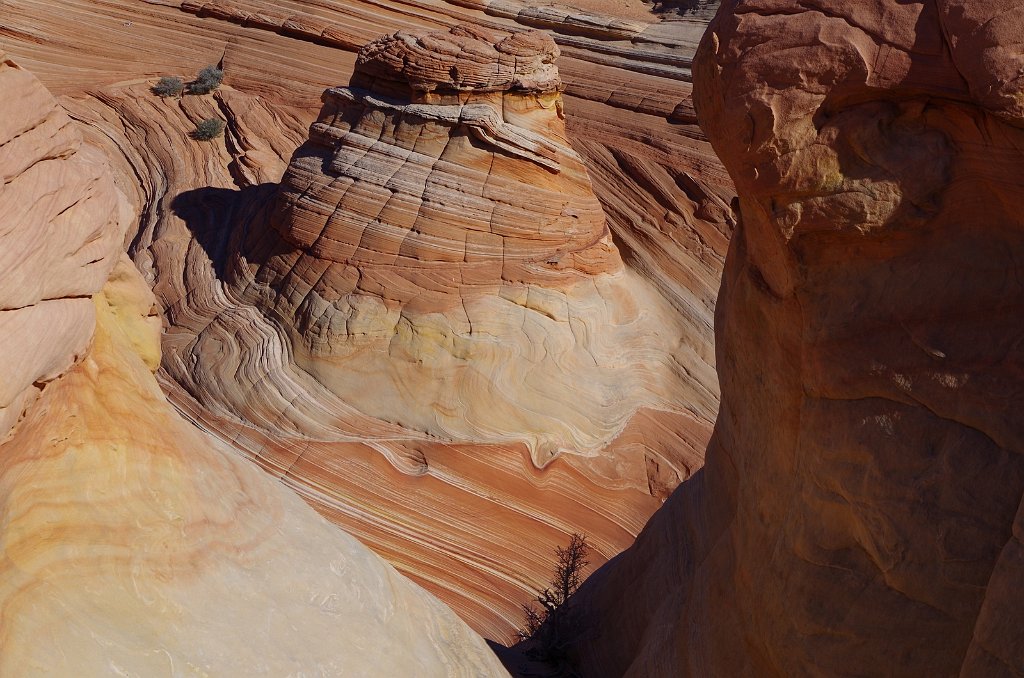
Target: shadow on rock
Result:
[221, 219]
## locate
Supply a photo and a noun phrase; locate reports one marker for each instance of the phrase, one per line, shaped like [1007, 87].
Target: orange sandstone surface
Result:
[132, 543]
[454, 287]
[513, 346]
[859, 512]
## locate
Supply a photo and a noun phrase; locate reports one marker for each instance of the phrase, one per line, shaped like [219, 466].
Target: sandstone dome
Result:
[438, 259]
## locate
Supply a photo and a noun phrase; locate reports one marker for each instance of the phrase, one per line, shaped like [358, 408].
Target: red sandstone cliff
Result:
[860, 509]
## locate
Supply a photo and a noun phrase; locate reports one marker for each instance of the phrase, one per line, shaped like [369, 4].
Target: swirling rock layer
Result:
[452, 269]
[131, 542]
[420, 501]
[442, 172]
[860, 509]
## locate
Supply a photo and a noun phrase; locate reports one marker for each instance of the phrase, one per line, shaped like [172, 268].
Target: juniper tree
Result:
[551, 626]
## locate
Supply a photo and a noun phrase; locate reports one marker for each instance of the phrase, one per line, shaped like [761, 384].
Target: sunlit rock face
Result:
[131, 541]
[860, 509]
[446, 265]
[443, 172]
[135, 544]
[61, 219]
[471, 520]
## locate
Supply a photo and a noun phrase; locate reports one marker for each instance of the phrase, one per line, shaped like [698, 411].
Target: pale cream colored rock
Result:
[61, 220]
[134, 544]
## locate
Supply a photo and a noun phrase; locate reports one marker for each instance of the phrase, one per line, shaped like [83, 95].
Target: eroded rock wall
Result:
[133, 543]
[859, 510]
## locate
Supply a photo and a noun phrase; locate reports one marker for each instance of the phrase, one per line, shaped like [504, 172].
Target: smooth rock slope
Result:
[132, 543]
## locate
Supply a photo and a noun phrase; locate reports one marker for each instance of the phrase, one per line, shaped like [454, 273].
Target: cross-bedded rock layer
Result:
[440, 259]
[443, 172]
[130, 542]
[475, 522]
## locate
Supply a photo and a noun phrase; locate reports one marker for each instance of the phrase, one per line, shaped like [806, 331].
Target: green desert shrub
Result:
[169, 87]
[208, 80]
[208, 129]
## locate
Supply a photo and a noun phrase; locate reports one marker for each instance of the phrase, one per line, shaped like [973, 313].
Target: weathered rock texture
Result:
[131, 543]
[860, 509]
[59, 214]
[444, 171]
[467, 514]
[438, 258]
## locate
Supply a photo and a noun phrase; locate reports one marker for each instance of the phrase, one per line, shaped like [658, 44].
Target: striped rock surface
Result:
[466, 511]
[132, 543]
[445, 264]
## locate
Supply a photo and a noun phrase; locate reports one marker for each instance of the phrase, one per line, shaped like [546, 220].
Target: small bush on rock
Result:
[169, 87]
[208, 80]
[208, 129]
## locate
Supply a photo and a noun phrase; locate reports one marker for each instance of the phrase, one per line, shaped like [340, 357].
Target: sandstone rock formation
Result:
[442, 174]
[160, 554]
[468, 516]
[59, 213]
[132, 542]
[860, 509]
[446, 265]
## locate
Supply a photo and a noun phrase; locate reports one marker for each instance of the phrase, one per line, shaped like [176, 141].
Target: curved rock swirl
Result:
[474, 523]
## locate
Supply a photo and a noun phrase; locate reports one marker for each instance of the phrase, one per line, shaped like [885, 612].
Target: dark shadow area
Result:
[223, 219]
[519, 664]
[690, 9]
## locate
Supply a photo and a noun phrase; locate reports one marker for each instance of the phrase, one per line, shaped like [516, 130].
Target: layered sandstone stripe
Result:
[443, 172]
[131, 542]
[627, 113]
